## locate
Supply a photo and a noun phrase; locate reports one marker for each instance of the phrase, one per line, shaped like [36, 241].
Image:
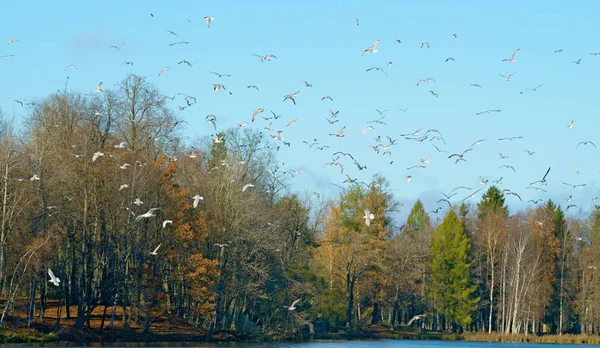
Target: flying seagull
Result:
[585, 143]
[368, 217]
[149, 214]
[154, 252]
[543, 179]
[208, 20]
[507, 78]
[293, 306]
[166, 68]
[512, 58]
[53, 279]
[197, 199]
[372, 49]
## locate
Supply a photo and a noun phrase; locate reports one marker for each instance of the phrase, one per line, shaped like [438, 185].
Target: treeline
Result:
[231, 247]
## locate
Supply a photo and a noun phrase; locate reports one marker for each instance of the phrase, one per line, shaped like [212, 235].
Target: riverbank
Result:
[41, 334]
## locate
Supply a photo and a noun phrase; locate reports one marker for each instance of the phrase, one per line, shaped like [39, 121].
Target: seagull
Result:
[510, 138]
[512, 58]
[368, 217]
[433, 93]
[293, 306]
[186, 62]
[507, 79]
[179, 43]
[53, 279]
[534, 89]
[543, 179]
[138, 202]
[424, 43]
[449, 58]
[420, 316]
[219, 75]
[292, 97]
[208, 20]
[166, 68]
[488, 111]
[476, 85]
[11, 41]
[292, 122]
[571, 125]
[340, 133]
[124, 186]
[507, 166]
[167, 222]
[306, 84]
[171, 32]
[530, 153]
[425, 80]
[404, 110]
[372, 49]
[356, 21]
[366, 129]
[515, 194]
[536, 201]
[558, 51]
[574, 186]
[408, 178]
[118, 48]
[99, 89]
[376, 68]
[585, 143]
[253, 86]
[197, 199]
[154, 252]
[246, 187]
[96, 155]
[149, 214]
[221, 245]
[326, 97]
[256, 112]
[570, 206]
[578, 61]
[70, 66]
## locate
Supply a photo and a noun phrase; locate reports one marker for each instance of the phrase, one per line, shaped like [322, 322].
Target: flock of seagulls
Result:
[386, 139]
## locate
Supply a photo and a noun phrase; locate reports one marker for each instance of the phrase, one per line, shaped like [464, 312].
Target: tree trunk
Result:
[349, 300]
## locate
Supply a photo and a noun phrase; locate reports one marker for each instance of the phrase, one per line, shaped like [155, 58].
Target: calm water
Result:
[340, 344]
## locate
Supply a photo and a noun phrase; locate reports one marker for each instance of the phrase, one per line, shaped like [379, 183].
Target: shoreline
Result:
[71, 336]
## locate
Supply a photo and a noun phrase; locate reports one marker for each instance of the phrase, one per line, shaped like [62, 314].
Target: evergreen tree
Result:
[452, 293]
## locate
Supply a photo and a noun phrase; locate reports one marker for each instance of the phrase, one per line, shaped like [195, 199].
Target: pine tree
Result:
[452, 293]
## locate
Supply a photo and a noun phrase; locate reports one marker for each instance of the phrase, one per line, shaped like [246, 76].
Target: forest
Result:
[142, 227]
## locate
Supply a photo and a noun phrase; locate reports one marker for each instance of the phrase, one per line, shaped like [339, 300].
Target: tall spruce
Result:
[451, 289]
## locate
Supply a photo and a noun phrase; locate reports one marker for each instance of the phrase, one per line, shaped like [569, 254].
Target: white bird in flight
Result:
[246, 187]
[53, 279]
[512, 58]
[208, 20]
[149, 214]
[368, 217]
[167, 222]
[197, 199]
[154, 252]
[372, 49]
[96, 155]
[293, 306]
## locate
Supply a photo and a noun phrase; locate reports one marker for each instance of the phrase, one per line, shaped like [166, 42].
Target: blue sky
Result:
[318, 41]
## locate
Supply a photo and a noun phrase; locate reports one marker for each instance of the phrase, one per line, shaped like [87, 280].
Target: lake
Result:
[331, 344]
